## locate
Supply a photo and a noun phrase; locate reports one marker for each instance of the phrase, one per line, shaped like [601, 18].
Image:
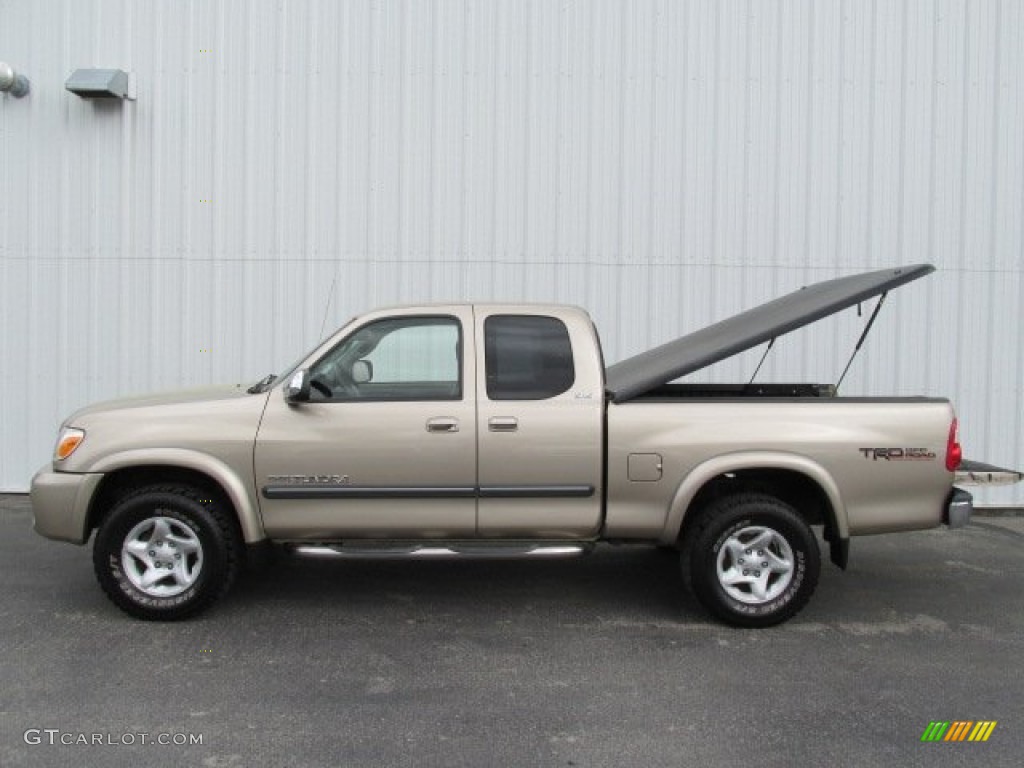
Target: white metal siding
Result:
[663, 164]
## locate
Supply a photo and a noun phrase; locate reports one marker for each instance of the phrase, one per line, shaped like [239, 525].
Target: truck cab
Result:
[439, 422]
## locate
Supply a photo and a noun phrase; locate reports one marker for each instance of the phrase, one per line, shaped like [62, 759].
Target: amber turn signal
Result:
[68, 441]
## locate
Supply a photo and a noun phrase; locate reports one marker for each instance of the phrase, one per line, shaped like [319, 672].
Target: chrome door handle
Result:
[503, 424]
[442, 424]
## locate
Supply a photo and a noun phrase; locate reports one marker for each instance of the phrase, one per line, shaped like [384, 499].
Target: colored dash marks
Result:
[958, 730]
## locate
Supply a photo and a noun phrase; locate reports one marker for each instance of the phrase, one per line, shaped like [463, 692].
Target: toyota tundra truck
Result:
[494, 429]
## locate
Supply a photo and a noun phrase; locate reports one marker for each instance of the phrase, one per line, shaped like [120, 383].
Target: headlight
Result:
[68, 440]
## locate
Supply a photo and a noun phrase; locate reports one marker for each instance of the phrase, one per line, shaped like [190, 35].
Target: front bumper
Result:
[60, 503]
[958, 509]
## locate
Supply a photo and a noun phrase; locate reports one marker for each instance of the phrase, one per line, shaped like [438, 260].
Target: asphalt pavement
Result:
[594, 661]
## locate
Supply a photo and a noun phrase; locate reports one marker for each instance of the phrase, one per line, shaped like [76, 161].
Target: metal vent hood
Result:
[639, 374]
[98, 83]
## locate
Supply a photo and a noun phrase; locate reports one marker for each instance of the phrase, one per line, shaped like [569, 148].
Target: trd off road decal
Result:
[897, 454]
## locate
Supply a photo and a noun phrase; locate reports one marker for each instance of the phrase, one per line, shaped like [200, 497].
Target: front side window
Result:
[529, 357]
[400, 358]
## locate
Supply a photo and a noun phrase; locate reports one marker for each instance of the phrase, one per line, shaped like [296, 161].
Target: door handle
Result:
[442, 424]
[503, 424]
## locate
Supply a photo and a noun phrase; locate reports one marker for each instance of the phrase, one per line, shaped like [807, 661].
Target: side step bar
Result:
[432, 550]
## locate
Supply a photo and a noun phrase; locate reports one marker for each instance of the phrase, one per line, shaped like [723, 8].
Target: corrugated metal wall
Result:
[661, 163]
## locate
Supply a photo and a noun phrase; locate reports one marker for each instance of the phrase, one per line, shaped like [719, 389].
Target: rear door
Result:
[540, 421]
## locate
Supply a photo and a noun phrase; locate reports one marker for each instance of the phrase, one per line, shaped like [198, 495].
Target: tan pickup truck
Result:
[486, 429]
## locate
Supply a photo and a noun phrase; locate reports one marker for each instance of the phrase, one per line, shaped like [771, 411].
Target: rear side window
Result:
[528, 357]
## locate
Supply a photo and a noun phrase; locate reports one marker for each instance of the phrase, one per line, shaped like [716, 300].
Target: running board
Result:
[386, 550]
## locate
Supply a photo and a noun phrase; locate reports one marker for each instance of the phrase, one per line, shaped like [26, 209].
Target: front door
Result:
[386, 447]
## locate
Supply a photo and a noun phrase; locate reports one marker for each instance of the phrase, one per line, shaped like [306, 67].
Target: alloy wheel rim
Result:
[755, 565]
[161, 556]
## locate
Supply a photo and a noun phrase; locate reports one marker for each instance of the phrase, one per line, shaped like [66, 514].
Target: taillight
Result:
[954, 454]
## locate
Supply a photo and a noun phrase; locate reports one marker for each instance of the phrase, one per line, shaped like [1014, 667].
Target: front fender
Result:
[227, 477]
[735, 462]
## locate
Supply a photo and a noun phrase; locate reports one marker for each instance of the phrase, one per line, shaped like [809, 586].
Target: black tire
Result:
[179, 528]
[732, 588]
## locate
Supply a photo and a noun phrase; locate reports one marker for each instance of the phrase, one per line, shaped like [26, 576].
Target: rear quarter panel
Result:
[832, 440]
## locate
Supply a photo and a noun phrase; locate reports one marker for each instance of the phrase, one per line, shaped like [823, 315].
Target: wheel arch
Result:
[175, 465]
[800, 482]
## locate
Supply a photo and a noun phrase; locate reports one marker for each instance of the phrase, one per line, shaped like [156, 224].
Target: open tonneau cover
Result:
[640, 374]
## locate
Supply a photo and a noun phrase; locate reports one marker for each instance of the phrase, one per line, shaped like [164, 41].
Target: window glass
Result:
[401, 358]
[529, 357]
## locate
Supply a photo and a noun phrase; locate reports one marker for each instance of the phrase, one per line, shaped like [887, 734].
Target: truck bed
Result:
[881, 459]
[670, 392]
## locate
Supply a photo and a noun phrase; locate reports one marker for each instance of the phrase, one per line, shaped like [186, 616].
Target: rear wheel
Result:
[751, 560]
[166, 552]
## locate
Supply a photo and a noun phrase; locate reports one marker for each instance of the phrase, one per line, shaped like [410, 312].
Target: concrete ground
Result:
[596, 661]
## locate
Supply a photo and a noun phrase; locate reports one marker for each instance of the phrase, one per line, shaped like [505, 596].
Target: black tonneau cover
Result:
[639, 374]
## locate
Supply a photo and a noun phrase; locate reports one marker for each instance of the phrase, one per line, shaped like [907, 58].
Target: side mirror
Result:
[297, 390]
[362, 371]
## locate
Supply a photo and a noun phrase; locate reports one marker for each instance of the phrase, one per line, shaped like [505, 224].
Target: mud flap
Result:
[839, 551]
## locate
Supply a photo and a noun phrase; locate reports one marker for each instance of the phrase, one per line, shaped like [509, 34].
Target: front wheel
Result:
[751, 560]
[166, 552]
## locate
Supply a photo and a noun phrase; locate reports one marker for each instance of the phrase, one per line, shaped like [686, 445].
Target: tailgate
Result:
[977, 473]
